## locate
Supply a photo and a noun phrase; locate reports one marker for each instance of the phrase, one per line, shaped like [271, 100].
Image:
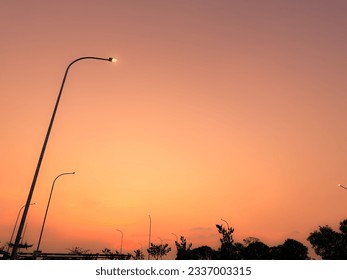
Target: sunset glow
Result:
[215, 112]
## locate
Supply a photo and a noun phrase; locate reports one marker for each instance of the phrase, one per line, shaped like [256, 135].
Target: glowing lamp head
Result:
[112, 59]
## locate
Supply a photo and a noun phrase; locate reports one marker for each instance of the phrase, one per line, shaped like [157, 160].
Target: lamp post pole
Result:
[149, 235]
[49, 201]
[14, 228]
[25, 228]
[31, 191]
[121, 240]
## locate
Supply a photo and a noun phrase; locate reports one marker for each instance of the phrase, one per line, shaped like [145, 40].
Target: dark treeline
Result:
[327, 243]
[251, 249]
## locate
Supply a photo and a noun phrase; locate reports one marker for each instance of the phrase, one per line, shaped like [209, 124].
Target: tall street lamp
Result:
[14, 228]
[121, 240]
[149, 235]
[31, 191]
[49, 201]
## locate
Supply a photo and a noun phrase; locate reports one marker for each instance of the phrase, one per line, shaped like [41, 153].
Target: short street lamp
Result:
[121, 240]
[14, 228]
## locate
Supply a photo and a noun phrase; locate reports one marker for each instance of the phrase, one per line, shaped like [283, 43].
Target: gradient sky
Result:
[215, 109]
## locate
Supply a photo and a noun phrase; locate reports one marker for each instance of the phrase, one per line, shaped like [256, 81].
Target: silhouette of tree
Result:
[115, 255]
[203, 253]
[123, 256]
[250, 240]
[227, 234]
[183, 250]
[329, 244]
[238, 251]
[343, 227]
[109, 254]
[228, 251]
[107, 251]
[158, 251]
[257, 250]
[83, 254]
[290, 250]
[77, 250]
[138, 255]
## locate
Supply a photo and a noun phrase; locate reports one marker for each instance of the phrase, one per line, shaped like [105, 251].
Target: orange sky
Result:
[215, 109]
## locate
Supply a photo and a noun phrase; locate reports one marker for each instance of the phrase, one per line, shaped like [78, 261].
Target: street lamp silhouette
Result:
[49, 201]
[226, 222]
[150, 229]
[341, 186]
[31, 191]
[121, 240]
[14, 228]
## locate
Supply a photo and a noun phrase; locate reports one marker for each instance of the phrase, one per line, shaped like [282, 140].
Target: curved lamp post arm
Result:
[225, 222]
[31, 191]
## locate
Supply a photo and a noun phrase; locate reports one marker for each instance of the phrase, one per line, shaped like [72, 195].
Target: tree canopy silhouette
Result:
[329, 244]
[254, 249]
[290, 250]
[227, 251]
[115, 255]
[158, 251]
[203, 253]
[183, 250]
[77, 250]
[138, 255]
[257, 250]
